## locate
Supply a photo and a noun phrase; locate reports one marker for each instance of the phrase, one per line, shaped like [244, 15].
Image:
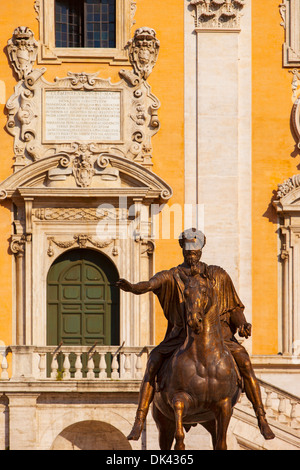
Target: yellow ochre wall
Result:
[273, 146]
[273, 160]
[167, 83]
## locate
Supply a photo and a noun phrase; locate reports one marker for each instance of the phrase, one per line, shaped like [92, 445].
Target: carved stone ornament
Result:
[22, 50]
[76, 214]
[17, 245]
[83, 170]
[81, 240]
[289, 185]
[143, 51]
[134, 181]
[295, 115]
[217, 14]
[295, 82]
[119, 118]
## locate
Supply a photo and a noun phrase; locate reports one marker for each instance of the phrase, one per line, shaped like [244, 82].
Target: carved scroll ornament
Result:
[136, 120]
[17, 245]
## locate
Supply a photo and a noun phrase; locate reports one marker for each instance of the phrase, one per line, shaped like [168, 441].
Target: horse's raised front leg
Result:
[223, 412]
[178, 405]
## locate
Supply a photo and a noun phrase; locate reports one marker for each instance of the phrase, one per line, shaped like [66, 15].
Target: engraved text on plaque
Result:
[82, 116]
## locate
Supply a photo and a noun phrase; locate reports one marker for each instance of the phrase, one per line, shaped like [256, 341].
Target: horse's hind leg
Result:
[211, 427]
[223, 415]
[166, 429]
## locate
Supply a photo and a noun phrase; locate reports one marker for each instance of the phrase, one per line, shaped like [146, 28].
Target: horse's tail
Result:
[237, 394]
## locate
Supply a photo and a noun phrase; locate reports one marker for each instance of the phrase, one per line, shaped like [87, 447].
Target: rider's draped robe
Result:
[170, 295]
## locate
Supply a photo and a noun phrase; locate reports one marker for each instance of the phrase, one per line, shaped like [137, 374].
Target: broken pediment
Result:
[85, 173]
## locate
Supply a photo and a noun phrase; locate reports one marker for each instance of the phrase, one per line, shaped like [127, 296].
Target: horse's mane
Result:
[193, 282]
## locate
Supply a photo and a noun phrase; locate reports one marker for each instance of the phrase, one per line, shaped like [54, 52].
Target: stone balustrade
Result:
[74, 362]
[280, 405]
[96, 363]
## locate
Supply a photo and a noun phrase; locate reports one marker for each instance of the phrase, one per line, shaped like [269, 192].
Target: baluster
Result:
[281, 409]
[244, 400]
[78, 366]
[269, 404]
[102, 367]
[115, 368]
[91, 366]
[294, 421]
[42, 366]
[66, 366]
[54, 367]
[4, 367]
[138, 367]
[127, 366]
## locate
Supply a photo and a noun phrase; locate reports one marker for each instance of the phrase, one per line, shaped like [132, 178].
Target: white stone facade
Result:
[98, 415]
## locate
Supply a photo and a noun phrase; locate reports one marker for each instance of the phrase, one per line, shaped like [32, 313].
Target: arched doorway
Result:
[82, 300]
[91, 435]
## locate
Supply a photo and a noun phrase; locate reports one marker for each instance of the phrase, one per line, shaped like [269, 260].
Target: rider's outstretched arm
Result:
[141, 287]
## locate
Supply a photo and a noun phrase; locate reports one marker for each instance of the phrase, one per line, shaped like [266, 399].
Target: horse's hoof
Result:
[179, 446]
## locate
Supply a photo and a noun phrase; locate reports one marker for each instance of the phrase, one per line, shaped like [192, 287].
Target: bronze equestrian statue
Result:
[200, 384]
[171, 287]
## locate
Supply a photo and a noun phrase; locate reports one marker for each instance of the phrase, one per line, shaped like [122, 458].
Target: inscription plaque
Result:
[82, 116]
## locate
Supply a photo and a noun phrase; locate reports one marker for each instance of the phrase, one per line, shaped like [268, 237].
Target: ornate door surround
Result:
[48, 221]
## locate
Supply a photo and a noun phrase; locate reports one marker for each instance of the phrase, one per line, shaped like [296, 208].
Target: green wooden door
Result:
[82, 300]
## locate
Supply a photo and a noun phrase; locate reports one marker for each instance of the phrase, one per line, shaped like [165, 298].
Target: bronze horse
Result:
[200, 384]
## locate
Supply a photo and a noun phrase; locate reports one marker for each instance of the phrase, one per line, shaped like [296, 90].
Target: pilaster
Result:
[22, 421]
[218, 134]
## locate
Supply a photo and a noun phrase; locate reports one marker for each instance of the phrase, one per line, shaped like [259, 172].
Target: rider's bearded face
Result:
[192, 257]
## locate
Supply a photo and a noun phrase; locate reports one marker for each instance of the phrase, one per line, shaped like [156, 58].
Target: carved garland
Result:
[81, 240]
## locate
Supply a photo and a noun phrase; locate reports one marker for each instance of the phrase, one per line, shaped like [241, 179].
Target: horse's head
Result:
[198, 298]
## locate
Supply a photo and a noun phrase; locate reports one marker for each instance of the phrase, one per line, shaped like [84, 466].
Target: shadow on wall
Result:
[91, 435]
